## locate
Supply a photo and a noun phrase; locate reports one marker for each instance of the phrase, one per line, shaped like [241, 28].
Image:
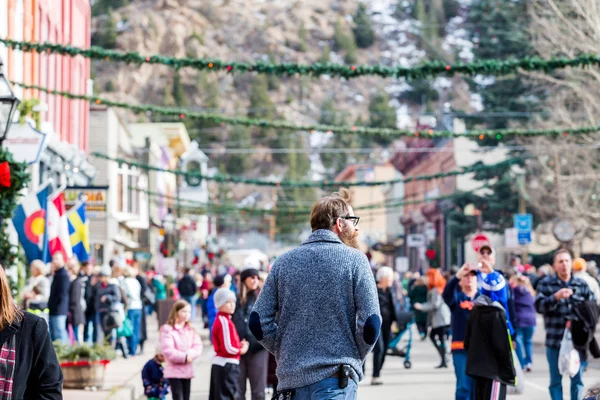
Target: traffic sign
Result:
[524, 237]
[416, 240]
[480, 240]
[524, 222]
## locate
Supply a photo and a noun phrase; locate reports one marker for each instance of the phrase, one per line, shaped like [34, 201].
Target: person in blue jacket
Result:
[155, 384]
[493, 284]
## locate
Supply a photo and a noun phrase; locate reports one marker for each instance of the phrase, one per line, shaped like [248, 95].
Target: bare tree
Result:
[563, 174]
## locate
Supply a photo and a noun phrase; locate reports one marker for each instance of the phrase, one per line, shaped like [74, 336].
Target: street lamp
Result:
[8, 104]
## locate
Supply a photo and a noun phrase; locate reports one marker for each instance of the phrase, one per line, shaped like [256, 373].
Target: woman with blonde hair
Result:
[438, 313]
[524, 298]
[181, 345]
[37, 291]
[29, 368]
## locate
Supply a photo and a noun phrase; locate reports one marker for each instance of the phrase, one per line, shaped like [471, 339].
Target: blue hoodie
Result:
[496, 288]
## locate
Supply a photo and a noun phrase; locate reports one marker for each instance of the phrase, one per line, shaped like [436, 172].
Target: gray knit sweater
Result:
[318, 309]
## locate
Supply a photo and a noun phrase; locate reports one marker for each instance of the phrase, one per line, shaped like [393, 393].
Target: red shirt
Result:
[226, 341]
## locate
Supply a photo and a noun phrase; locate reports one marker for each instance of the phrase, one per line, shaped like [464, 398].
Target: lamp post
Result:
[8, 104]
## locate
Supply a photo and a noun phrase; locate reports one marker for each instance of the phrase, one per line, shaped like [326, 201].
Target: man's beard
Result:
[349, 238]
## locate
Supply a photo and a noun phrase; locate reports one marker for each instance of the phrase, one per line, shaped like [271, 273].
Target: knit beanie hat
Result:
[579, 264]
[222, 296]
[247, 273]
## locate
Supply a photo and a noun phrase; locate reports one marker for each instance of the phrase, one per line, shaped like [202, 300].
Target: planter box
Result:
[83, 374]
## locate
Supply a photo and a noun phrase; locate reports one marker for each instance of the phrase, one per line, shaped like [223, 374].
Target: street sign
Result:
[511, 238]
[480, 240]
[524, 237]
[416, 240]
[25, 143]
[524, 222]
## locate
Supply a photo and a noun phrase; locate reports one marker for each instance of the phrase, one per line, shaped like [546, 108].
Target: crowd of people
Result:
[261, 318]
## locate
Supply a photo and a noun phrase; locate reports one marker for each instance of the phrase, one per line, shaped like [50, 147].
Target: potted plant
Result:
[83, 365]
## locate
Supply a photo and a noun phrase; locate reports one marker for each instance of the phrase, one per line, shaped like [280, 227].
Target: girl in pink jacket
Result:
[181, 345]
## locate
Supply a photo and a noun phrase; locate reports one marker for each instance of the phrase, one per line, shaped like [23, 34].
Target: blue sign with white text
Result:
[524, 222]
[524, 237]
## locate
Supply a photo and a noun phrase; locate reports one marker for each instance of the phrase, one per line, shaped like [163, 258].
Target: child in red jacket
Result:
[226, 342]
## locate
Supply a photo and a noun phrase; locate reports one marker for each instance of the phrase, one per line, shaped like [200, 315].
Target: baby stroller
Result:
[396, 348]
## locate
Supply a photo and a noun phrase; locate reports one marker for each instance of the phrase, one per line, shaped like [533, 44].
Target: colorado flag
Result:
[29, 220]
[79, 231]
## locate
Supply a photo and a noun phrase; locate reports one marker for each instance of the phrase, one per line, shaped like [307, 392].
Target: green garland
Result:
[425, 70]
[183, 113]
[306, 184]
[9, 196]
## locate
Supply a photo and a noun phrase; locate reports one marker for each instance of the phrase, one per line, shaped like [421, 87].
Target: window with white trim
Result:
[127, 193]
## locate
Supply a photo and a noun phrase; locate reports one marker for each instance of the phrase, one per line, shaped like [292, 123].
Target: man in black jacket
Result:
[187, 289]
[90, 329]
[58, 303]
[489, 354]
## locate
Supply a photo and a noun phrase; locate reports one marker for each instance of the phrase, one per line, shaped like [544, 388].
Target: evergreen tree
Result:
[238, 164]
[179, 91]
[107, 37]
[340, 39]
[350, 57]
[261, 105]
[325, 55]
[103, 6]
[381, 115]
[302, 47]
[364, 35]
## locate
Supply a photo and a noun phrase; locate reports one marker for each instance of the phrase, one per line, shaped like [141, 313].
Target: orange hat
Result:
[579, 264]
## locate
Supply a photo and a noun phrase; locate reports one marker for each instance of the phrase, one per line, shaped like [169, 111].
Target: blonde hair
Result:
[523, 281]
[179, 304]
[326, 211]
[39, 266]
[8, 309]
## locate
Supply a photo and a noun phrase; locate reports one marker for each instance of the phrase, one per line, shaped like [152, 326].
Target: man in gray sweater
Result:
[318, 312]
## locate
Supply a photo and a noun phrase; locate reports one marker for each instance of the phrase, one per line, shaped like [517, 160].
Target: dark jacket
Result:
[583, 329]
[113, 297]
[143, 328]
[187, 286]
[524, 307]
[489, 354]
[77, 302]
[58, 303]
[155, 384]
[37, 372]
[240, 320]
[418, 294]
[89, 297]
[460, 310]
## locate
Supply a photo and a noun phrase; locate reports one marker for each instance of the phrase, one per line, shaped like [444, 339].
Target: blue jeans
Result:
[136, 321]
[89, 329]
[464, 384]
[525, 345]
[58, 328]
[192, 302]
[556, 390]
[326, 389]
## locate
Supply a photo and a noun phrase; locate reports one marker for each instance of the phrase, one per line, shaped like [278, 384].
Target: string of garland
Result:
[425, 70]
[306, 184]
[183, 113]
[203, 208]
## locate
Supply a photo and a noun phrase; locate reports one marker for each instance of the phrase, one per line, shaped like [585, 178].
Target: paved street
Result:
[420, 382]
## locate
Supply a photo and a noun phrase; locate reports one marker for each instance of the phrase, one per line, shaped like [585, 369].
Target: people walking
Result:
[77, 302]
[187, 289]
[133, 291]
[525, 319]
[37, 290]
[459, 294]
[580, 271]
[58, 302]
[438, 313]
[325, 297]
[225, 370]
[254, 364]
[556, 298]
[28, 364]
[418, 294]
[91, 330]
[389, 308]
[146, 298]
[107, 300]
[181, 345]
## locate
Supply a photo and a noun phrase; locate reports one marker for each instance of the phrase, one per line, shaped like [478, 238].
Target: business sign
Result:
[480, 240]
[25, 143]
[95, 198]
[415, 240]
[524, 237]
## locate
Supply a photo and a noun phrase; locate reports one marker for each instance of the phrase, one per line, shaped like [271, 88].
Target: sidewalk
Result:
[123, 377]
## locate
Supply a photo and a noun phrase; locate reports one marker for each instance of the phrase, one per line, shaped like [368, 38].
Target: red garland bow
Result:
[5, 174]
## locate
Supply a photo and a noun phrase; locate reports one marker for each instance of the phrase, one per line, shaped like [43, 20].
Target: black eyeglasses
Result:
[352, 218]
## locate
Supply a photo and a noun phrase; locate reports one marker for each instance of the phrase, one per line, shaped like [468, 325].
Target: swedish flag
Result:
[79, 232]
